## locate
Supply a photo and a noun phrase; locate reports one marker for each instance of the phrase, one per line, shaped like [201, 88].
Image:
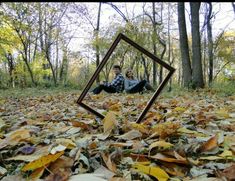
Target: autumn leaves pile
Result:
[182, 138]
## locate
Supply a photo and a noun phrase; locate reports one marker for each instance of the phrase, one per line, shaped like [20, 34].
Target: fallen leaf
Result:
[111, 166]
[209, 145]
[226, 153]
[42, 161]
[15, 137]
[36, 174]
[109, 122]
[119, 144]
[107, 173]
[2, 171]
[59, 175]
[140, 127]
[160, 144]
[68, 143]
[13, 177]
[133, 134]
[88, 177]
[58, 148]
[180, 109]
[79, 124]
[162, 157]
[156, 172]
[229, 173]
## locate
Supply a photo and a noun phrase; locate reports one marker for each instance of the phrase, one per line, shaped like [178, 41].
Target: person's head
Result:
[116, 69]
[129, 73]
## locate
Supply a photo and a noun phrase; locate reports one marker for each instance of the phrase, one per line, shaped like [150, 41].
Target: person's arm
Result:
[116, 81]
[128, 86]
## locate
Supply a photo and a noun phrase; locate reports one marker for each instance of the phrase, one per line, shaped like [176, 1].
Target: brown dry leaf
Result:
[79, 124]
[62, 174]
[117, 179]
[118, 144]
[111, 166]
[139, 157]
[62, 162]
[177, 159]
[15, 137]
[209, 145]
[36, 174]
[166, 129]
[229, 173]
[174, 169]
[42, 161]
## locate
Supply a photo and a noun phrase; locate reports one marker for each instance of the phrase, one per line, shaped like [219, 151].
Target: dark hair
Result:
[116, 67]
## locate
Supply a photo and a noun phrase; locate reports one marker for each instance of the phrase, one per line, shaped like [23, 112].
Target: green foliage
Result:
[224, 88]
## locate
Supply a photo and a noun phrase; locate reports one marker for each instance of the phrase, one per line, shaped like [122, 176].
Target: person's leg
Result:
[138, 87]
[149, 87]
[109, 89]
[98, 89]
[106, 88]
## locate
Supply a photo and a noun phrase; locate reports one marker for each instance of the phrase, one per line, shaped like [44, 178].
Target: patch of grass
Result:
[37, 91]
[224, 88]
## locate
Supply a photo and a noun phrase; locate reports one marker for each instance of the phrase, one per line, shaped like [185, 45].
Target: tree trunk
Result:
[25, 59]
[233, 4]
[162, 55]
[154, 45]
[30, 71]
[57, 55]
[210, 44]
[97, 38]
[11, 67]
[197, 75]
[184, 49]
[64, 68]
[145, 68]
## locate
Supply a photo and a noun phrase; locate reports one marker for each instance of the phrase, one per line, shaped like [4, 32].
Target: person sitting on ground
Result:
[116, 86]
[133, 85]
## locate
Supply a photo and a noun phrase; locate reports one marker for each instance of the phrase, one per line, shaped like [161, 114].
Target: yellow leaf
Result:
[109, 122]
[115, 107]
[180, 109]
[156, 172]
[44, 160]
[222, 113]
[211, 158]
[226, 153]
[140, 127]
[188, 131]
[161, 144]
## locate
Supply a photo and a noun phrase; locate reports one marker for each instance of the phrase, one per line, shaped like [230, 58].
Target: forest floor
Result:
[185, 136]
